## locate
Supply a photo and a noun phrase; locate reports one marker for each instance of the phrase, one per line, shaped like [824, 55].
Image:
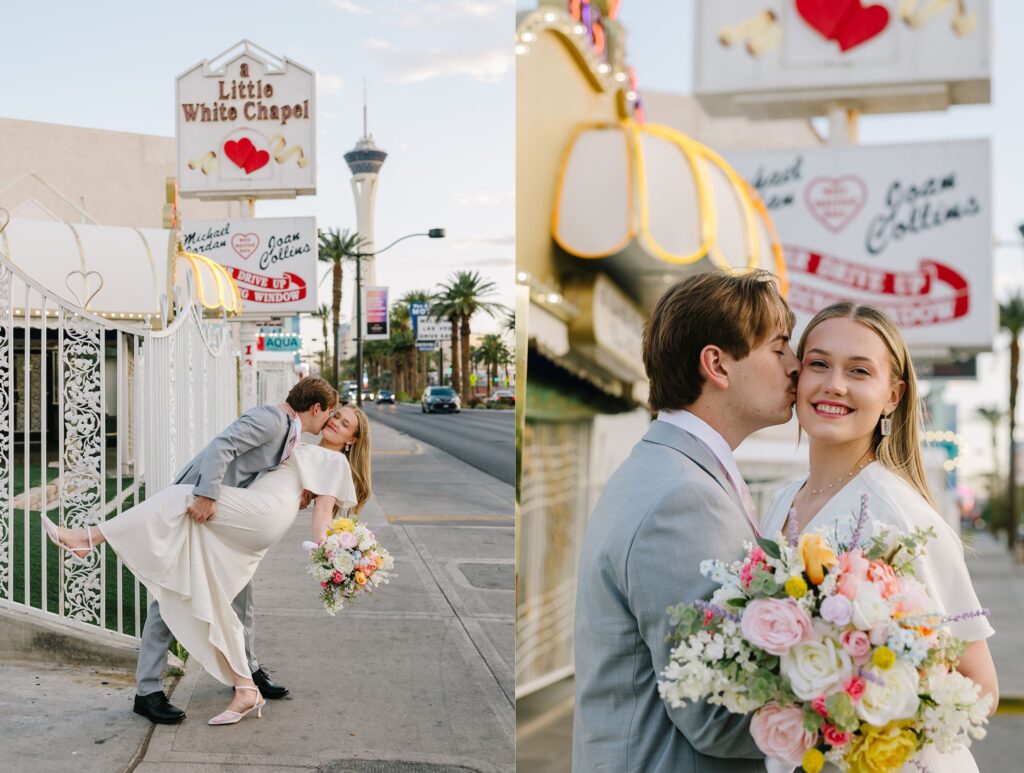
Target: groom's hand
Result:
[202, 509]
[307, 497]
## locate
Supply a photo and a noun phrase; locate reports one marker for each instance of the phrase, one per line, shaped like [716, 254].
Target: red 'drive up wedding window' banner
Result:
[272, 260]
[906, 228]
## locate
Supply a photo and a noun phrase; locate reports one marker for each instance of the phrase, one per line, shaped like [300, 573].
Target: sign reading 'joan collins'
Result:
[246, 127]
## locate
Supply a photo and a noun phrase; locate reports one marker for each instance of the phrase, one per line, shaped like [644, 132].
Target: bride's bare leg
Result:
[79, 538]
[244, 699]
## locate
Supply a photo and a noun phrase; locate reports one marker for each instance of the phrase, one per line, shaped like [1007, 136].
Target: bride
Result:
[194, 570]
[857, 402]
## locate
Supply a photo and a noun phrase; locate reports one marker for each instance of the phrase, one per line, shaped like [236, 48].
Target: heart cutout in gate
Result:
[835, 201]
[244, 154]
[245, 244]
[86, 286]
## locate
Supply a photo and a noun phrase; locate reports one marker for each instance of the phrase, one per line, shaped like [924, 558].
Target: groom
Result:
[258, 440]
[716, 350]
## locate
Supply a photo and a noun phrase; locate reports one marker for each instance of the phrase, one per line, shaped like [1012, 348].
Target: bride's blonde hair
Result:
[358, 456]
[901, 450]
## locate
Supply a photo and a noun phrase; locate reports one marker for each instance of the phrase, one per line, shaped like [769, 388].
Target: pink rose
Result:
[755, 559]
[882, 575]
[323, 584]
[779, 732]
[775, 625]
[347, 540]
[833, 736]
[857, 645]
[853, 570]
[819, 705]
[854, 688]
[338, 578]
[837, 609]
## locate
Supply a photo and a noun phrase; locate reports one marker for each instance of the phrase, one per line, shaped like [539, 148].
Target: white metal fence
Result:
[94, 415]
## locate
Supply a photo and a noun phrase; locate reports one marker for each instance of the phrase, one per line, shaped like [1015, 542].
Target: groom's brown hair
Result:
[736, 312]
[309, 391]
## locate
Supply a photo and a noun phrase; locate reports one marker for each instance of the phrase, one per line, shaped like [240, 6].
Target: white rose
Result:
[816, 667]
[869, 608]
[895, 697]
[343, 562]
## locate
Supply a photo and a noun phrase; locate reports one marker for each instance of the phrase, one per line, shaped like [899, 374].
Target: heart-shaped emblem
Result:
[245, 156]
[245, 244]
[835, 201]
[861, 24]
[84, 286]
[825, 16]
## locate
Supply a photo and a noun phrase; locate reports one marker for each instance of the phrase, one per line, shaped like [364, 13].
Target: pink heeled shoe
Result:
[54, 537]
[228, 717]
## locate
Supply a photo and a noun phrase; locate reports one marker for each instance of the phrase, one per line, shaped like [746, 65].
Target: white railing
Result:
[95, 415]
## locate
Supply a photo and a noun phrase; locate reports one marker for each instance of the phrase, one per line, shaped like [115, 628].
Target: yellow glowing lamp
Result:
[652, 204]
[215, 287]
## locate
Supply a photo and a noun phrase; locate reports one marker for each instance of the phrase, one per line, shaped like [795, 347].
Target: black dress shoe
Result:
[156, 708]
[267, 688]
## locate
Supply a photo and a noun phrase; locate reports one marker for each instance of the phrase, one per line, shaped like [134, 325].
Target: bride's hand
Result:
[305, 499]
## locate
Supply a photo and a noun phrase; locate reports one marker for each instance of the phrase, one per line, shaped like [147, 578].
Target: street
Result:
[484, 439]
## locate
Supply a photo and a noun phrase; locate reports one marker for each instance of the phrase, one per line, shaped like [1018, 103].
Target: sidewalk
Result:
[418, 677]
[544, 733]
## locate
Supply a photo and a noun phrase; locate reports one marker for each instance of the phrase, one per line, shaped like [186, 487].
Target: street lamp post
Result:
[433, 233]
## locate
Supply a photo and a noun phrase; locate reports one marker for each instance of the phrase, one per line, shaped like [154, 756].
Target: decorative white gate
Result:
[95, 414]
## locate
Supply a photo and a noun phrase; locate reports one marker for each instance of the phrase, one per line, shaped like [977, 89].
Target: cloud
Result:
[490, 262]
[349, 7]
[378, 44]
[488, 66]
[455, 11]
[475, 242]
[484, 199]
[327, 84]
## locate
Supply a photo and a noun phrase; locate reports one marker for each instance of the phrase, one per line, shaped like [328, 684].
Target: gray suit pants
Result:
[157, 637]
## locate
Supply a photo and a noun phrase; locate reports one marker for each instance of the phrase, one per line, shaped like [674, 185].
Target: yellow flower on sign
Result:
[796, 587]
[883, 657]
[817, 557]
[882, 749]
[813, 761]
[343, 524]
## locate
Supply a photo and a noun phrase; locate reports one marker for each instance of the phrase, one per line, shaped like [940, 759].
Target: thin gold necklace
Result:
[845, 478]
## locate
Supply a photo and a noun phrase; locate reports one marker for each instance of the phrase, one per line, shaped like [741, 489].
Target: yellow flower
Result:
[817, 557]
[360, 578]
[882, 749]
[813, 761]
[796, 587]
[343, 524]
[883, 657]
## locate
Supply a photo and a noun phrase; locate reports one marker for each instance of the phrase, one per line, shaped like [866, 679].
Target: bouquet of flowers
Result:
[348, 562]
[837, 652]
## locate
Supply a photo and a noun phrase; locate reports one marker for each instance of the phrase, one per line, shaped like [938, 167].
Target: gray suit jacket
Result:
[666, 509]
[251, 444]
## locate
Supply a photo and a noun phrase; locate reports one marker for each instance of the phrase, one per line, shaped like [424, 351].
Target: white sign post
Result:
[272, 260]
[907, 228]
[246, 127]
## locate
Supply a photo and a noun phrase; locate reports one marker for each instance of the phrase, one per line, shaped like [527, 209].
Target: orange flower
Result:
[360, 578]
[884, 577]
[817, 557]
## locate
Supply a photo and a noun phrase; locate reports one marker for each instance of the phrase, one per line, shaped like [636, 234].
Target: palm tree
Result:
[466, 291]
[335, 248]
[994, 417]
[492, 352]
[1011, 318]
[324, 314]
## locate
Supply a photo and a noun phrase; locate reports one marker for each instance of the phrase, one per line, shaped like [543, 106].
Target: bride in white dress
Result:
[857, 402]
[194, 570]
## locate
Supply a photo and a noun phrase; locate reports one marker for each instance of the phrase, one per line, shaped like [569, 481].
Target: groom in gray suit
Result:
[258, 440]
[716, 350]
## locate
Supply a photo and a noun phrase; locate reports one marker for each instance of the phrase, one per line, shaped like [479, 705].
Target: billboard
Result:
[375, 314]
[272, 260]
[786, 58]
[907, 228]
[246, 126]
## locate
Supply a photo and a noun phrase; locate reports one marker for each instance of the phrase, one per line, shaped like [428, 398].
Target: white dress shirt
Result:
[716, 444]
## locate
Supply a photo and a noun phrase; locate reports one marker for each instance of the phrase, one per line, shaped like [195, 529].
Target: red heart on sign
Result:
[826, 16]
[245, 244]
[256, 159]
[835, 201]
[240, 151]
[862, 24]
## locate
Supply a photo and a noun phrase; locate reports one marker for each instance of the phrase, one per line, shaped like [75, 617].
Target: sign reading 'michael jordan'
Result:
[246, 126]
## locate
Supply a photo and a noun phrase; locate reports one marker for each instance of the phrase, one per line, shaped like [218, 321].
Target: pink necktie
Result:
[747, 500]
[293, 439]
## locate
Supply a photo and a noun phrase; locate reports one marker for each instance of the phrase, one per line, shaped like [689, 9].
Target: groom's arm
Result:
[248, 431]
[662, 570]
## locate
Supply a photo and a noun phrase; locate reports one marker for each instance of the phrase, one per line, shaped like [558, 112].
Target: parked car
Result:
[367, 394]
[385, 396]
[440, 398]
[346, 397]
[501, 397]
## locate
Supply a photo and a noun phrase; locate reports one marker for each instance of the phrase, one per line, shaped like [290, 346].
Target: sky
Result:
[440, 80]
[659, 45]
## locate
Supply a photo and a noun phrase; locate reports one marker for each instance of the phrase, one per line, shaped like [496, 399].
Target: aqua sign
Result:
[280, 343]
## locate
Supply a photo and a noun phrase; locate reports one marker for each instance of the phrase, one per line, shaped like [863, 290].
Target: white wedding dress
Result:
[195, 570]
[891, 500]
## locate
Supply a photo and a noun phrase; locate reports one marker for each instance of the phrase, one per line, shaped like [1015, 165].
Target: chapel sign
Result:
[246, 126]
